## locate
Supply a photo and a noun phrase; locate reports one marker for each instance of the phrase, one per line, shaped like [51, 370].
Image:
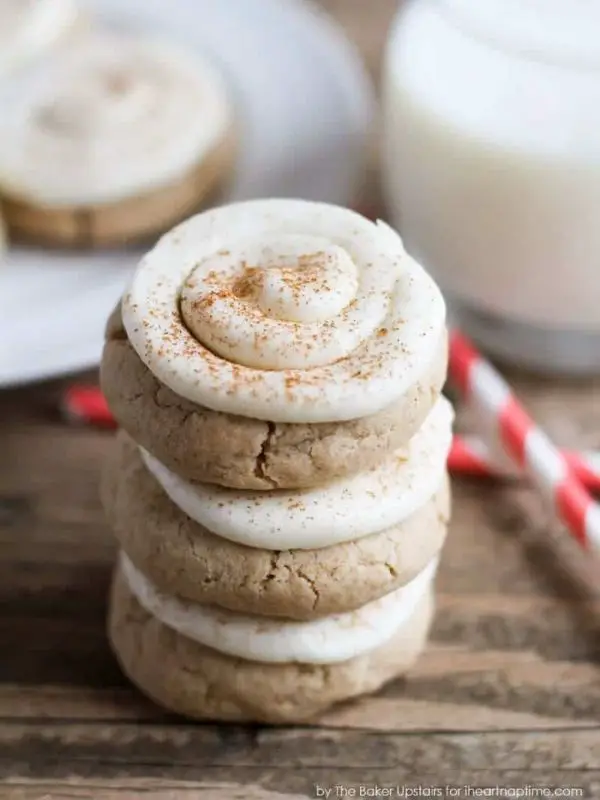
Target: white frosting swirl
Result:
[28, 28]
[284, 310]
[346, 510]
[112, 116]
[328, 640]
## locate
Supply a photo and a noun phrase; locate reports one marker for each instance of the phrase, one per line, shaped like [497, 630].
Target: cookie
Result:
[184, 558]
[216, 447]
[114, 139]
[124, 221]
[194, 680]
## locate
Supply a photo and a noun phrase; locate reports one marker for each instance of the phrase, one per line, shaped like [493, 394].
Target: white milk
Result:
[492, 167]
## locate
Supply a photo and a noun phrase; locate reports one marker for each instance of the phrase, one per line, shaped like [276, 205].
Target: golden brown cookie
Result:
[244, 453]
[199, 682]
[183, 558]
[124, 221]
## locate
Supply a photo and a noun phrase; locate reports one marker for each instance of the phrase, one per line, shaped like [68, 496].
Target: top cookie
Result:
[275, 344]
[284, 311]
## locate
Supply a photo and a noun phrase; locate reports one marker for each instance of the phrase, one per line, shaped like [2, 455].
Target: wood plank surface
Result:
[507, 694]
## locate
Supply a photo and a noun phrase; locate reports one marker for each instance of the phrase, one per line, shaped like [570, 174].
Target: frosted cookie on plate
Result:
[275, 344]
[30, 29]
[117, 138]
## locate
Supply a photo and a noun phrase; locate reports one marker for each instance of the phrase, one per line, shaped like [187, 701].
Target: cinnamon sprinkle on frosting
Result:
[285, 310]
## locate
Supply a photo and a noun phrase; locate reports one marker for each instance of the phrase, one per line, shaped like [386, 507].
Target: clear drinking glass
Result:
[492, 168]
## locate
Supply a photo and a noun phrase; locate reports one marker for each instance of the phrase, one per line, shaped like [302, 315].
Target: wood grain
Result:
[146, 789]
[508, 692]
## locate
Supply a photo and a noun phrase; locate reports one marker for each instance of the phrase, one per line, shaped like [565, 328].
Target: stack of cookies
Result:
[278, 488]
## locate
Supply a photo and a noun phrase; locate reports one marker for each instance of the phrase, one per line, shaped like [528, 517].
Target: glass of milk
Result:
[492, 168]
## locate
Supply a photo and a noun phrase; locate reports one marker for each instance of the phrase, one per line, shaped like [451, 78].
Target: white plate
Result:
[305, 107]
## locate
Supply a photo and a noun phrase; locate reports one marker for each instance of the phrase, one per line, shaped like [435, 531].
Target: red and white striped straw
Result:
[527, 445]
[471, 455]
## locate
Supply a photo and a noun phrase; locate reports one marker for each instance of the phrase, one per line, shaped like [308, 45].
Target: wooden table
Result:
[507, 694]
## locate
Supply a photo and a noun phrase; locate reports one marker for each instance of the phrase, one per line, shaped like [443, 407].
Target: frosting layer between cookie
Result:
[286, 311]
[328, 640]
[341, 511]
